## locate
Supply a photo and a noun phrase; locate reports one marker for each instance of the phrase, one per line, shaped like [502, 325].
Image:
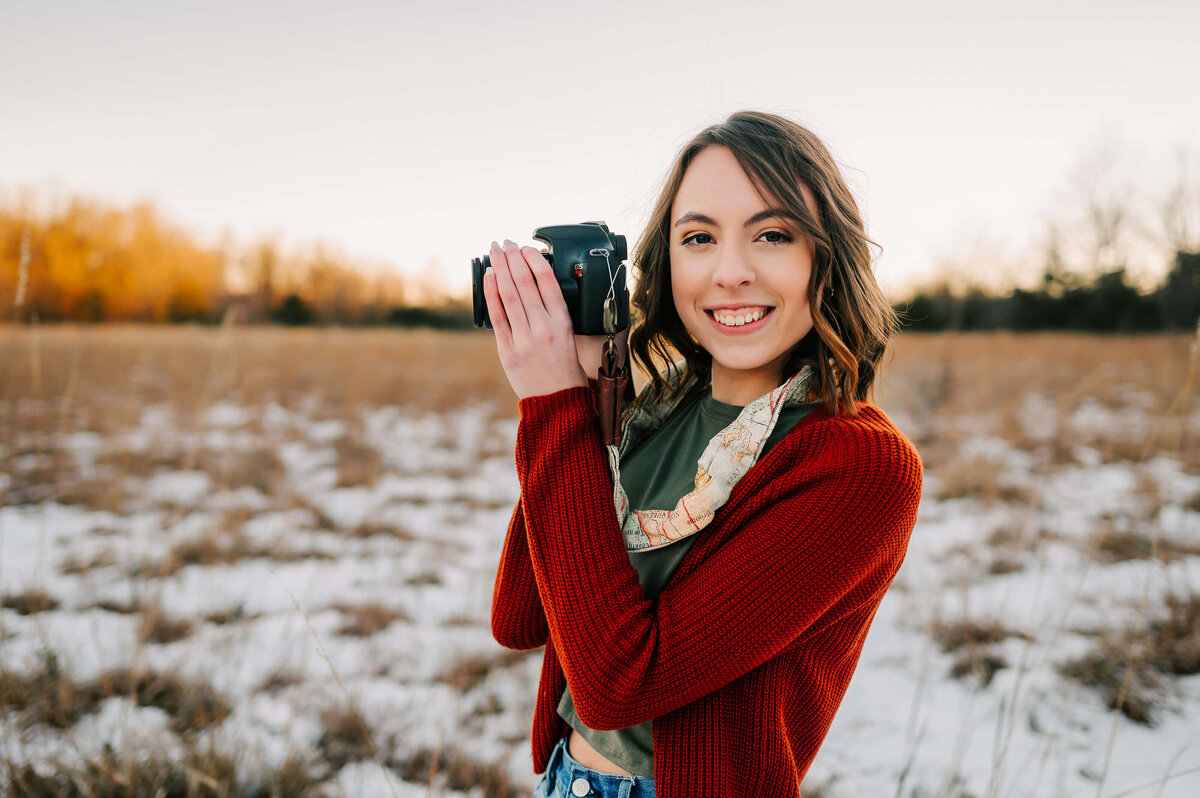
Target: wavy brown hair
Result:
[852, 321]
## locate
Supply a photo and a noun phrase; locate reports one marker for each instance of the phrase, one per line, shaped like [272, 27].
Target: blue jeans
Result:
[566, 778]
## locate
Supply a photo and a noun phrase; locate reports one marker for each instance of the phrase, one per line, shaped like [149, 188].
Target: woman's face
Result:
[739, 275]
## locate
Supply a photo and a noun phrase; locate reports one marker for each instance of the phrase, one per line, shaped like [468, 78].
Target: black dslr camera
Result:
[587, 259]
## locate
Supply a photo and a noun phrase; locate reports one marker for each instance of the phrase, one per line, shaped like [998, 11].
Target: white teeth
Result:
[738, 319]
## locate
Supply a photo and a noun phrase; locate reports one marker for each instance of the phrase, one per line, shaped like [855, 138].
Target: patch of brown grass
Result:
[468, 671]
[280, 680]
[344, 738]
[77, 566]
[358, 462]
[978, 477]
[157, 627]
[367, 619]
[203, 773]
[936, 379]
[1109, 546]
[977, 665]
[49, 696]
[120, 607]
[369, 529]
[1130, 667]
[459, 771]
[35, 473]
[30, 602]
[1003, 564]
[960, 634]
[426, 577]
[223, 617]
[222, 546]
[259, 468]
[142, 463]
[95, 494]
[323, 522]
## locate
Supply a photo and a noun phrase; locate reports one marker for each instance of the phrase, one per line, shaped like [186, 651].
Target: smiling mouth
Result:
[738, 318]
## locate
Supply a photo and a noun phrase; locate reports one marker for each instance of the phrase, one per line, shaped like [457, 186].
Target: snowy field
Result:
[260, 563]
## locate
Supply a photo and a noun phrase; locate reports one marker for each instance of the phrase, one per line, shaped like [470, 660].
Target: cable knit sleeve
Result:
[820, 541]
[518, 620]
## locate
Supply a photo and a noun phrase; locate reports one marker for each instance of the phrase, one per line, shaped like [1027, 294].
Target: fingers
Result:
[495, 306]
[548, 288]
[510, 295]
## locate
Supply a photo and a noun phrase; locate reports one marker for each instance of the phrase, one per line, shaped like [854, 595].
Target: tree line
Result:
[84, 260]
[1107, 303]
[89, 261]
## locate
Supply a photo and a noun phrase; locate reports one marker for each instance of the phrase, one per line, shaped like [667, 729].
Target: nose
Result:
[732, 269]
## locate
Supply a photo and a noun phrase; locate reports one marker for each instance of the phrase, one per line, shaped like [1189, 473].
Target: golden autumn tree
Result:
[91, 262]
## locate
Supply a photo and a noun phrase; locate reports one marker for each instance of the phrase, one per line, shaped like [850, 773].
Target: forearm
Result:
[518, 619]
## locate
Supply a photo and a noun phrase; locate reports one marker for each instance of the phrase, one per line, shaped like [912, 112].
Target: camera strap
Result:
[611, 397]
[611, 377]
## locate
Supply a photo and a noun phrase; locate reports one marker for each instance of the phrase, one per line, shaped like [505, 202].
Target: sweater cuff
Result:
[577, 397]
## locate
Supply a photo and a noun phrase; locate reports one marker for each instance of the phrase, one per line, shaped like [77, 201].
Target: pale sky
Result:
[415, 133]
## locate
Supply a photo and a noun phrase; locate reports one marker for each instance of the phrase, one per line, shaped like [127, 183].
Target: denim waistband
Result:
[566, 778]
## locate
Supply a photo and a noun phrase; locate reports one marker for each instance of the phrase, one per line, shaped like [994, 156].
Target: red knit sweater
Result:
[744, 657]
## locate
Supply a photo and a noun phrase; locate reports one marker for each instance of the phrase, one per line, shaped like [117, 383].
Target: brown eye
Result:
[698, 238]
[776, 237]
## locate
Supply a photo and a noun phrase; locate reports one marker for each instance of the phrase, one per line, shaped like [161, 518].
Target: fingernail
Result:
[508, 244]
[488, 272]
[495, 245]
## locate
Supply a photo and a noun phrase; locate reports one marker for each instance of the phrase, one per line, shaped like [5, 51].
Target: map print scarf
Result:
[726, 459]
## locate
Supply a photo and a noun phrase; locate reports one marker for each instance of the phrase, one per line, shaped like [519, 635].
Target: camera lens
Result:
[478, 302]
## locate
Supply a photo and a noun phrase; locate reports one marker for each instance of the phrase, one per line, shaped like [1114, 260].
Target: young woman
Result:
[703, 592]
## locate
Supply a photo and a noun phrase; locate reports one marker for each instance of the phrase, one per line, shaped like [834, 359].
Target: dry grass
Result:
[50, 697]
[30, 602]
[156, 627]
[426, 577]
[369, 529]
[280, 680]
[221, 546]
[203, 773]
[120, 607]
[955, 635]
[1109, 546]
[368, 619]
[459, 771]
[947, 388]
[936, 380]
[359, 463]
[260, 469]
[466, 672]
[78, 567]
[344, 738]
[978, 477]
[343, 369]
[1129, 667]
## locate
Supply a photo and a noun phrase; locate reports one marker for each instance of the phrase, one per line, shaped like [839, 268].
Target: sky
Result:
[413, 134]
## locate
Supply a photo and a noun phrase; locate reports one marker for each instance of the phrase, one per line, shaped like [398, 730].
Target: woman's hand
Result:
[534, 336]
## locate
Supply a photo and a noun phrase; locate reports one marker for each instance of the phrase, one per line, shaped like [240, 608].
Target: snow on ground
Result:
[304, 592]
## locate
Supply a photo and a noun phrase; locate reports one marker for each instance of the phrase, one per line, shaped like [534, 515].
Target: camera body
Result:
[587, 259]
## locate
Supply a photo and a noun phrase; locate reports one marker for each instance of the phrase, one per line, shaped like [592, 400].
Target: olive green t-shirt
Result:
[656, 475]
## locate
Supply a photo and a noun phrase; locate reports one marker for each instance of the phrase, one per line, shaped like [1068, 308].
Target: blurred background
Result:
[168, 162]
[256, 468]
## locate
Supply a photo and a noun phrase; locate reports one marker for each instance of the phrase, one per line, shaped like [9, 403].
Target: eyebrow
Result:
[769, 213]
